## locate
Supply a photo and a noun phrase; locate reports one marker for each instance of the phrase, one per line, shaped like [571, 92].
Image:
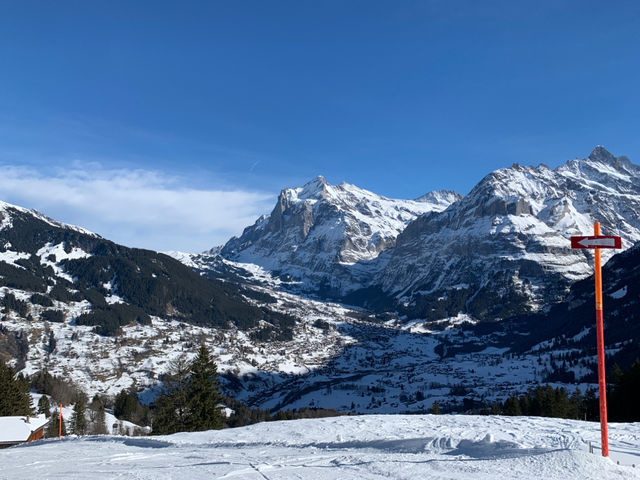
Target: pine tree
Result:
[512, 406]
[576, 405]
[204, 396]
[124, 406]
[14, 397]
[435, 408]
[128, 407]
[51, 345]
[170, 406]
[97, 421]
[44, 406]
[52, 428]
[625, 395]
[79, 419]
[615, 374]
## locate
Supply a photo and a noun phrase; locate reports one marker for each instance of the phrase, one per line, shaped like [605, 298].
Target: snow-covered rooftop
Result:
[18, 429]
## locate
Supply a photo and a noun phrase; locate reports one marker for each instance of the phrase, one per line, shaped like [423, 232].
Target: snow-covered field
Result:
[371, 447]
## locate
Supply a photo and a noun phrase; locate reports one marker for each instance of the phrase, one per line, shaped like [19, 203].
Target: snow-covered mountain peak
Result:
[506, 241]
[509, 237]
[8, 211]
[440, 197]
[603, 173]
[318, 229]
[313, 190]
[600, 153]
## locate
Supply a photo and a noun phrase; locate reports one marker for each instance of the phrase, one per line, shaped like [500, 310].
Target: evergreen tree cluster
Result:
[126, 406]
[243, 415]
[109, 319]
[14, 393]
[40, 299]
[79, 417]
[62, 391]
[55, 316]
[97, 417]
[546, 401]
[44, 406]
[12, 304]
[20, 278]
[159, 285]
[85, 420]
[280, 328]
[624, 393]
[190, 399]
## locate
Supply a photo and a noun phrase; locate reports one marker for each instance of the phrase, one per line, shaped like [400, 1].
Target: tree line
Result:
[623, 391]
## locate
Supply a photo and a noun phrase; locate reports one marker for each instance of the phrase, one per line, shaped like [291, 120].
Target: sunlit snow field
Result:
[371, 447]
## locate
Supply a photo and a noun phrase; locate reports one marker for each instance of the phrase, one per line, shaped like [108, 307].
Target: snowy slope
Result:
[367, 447]
[325, 234]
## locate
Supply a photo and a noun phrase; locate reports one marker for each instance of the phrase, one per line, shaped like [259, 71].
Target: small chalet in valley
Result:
[15, 430]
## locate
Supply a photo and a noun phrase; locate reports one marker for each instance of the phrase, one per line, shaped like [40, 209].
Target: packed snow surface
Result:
[370, 447]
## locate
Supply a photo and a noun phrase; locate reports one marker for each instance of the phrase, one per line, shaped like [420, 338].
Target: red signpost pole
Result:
[602, 384]
[60, 424]
[597, 242]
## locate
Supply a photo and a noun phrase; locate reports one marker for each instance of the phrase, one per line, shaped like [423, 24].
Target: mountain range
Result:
[454, 299]
[501, 250]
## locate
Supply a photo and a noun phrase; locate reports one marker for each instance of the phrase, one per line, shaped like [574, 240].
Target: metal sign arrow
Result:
[596, 241]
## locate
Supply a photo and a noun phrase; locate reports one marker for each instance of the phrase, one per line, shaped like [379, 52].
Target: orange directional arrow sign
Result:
[596, 241]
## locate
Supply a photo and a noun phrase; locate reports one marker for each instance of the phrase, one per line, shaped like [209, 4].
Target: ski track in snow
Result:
[371, 447]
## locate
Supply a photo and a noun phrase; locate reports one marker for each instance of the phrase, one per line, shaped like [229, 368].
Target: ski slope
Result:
[370, 447]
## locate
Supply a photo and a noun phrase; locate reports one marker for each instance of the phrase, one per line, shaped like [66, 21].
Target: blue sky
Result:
[171, 125]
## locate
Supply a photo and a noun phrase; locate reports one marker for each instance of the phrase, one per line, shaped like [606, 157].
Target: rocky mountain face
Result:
[500, 251]
[504, 248]
[329, 236]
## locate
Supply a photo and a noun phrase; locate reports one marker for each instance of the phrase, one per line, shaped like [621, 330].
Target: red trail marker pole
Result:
[60, 424]
[597, 242]
[602, 384]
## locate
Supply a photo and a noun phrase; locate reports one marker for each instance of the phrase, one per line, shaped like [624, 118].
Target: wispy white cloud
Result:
[140, 208]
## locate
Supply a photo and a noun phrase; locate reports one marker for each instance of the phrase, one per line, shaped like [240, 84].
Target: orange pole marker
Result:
[597, 242]
[602, 384]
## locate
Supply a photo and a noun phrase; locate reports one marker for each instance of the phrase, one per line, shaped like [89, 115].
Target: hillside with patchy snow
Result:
[367, 447]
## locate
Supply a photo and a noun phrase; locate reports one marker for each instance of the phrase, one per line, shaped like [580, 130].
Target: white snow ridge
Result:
[365, 447]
